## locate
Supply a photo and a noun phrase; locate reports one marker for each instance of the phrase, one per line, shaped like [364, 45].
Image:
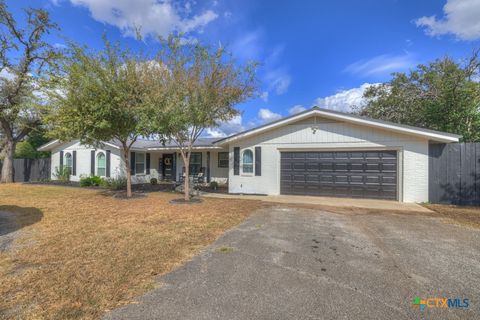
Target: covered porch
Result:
[166, 165]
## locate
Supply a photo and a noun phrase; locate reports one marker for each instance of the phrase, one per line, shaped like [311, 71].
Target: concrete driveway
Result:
[288, 263]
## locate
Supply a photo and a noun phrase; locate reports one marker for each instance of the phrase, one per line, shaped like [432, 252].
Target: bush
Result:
[119, 183]
[214, 185]
[153, 181]
[91, 181]
[62, 174]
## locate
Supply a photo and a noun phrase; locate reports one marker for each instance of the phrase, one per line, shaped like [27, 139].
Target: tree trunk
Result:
[8, 173]
[186, 161]
[129, 174]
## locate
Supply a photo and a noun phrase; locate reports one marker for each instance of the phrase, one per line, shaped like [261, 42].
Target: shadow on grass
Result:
[13, 218]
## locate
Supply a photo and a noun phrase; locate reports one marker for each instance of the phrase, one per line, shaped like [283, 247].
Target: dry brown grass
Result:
[459, 214]
[85, 253]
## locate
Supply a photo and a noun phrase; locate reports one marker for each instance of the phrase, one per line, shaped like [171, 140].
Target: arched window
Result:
[101, 164]
[247, 161]
[68, 162]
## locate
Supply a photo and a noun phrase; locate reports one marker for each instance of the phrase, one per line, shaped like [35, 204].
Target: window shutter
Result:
[208, 166]
[236, 161]
[147, 160]
[258, 161]
[107, 169]
[92, 162]
[74, 163]
[61, 160]
[132, 163]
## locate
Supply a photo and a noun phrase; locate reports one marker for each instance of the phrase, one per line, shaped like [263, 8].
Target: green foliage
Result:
[119, 183]
[104, 96]
[214, 185]
[201, 90]
[153, 181]
[62, 173]
[28, 61]
[91, 181]
[25, 150]
[443, 95]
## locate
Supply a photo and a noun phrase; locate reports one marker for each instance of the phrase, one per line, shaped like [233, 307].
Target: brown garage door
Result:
[360, 174]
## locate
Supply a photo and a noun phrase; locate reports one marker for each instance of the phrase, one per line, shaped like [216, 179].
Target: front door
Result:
[167, 167]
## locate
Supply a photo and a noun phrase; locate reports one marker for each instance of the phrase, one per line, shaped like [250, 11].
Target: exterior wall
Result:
[83, 160]
[413, 154]
[216, 174]
[117, 165]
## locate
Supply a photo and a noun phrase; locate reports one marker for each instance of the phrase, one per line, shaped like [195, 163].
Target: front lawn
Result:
[459, 214]
[79, 253]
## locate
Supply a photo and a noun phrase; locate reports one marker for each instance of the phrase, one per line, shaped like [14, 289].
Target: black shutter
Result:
[208, 166]
[107, 169]
[61, 160]
[147, 160]
[258, 161]
[236, 161]
[74, 163]
[132, 163]
[92, 162]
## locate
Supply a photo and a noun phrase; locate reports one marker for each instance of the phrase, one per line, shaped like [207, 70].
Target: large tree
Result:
[202, 86]
[104, 96]
[26, 61]
[442, 95]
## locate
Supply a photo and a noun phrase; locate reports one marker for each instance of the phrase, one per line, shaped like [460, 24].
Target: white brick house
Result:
[316, 152]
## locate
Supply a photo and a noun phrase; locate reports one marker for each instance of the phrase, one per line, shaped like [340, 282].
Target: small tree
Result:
[103, 97]
[26, 61]
[202, 87]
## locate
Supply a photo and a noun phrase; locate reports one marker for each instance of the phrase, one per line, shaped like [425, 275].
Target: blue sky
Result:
[312, 52]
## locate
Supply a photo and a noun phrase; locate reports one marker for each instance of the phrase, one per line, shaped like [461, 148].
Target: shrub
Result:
[119, 183]
[153, 181]
[62, 173]
[214, 185]
[91, 181]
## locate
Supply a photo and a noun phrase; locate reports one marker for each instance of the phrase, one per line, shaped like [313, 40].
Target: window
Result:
[139, 163]
[247, 161]
[101, 164]
[195, 163]
[68, 162]
[223, 159]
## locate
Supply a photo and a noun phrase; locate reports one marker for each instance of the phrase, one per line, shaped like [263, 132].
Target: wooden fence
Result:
[31, 169]
[454, 172]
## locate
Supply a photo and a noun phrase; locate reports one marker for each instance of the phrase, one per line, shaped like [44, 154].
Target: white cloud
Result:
[381, 65]
[344, 100]
[461, 18]
[278, 80]
[7, 75]
[266, 115]
[227, 128]
[296, 109]
[151, 17]
[264, 96]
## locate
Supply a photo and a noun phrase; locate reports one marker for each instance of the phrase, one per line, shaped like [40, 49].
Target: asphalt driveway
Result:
[286, 263]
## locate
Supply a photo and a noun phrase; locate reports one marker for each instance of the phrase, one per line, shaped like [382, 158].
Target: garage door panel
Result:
[362, 174]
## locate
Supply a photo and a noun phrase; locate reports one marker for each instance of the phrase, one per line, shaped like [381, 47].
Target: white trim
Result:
[144, 163]
[345, 117]
[247, 174]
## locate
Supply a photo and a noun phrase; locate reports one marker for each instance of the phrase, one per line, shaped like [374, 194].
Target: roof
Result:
[142, 144]
[215, 143]
[347, 117]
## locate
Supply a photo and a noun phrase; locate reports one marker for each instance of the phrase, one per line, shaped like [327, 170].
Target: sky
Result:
[311, 53]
